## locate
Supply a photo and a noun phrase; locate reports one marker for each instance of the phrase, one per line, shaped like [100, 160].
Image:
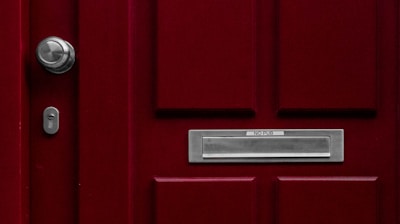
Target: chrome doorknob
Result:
[55, 55]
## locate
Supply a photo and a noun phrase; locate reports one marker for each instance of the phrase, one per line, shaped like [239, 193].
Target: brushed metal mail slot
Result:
[270, 147]
[291, 145]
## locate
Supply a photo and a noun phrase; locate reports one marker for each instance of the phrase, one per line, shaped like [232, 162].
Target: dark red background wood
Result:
[13, 113]
[304, 200]
[328, 55]
[105, 112]
[205, 200]
[205, 55]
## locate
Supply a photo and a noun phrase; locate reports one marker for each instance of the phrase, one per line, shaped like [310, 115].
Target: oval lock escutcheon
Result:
[51, 120]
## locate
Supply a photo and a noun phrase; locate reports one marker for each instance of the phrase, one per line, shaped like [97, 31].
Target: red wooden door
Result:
[238, 65]
[147, 72]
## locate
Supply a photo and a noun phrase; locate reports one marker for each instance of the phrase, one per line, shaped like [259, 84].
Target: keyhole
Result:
[50, 120]
[51, 116]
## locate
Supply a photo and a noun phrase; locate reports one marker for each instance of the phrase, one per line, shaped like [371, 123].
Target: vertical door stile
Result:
[53, 158]
[13, 112]
[104, 120]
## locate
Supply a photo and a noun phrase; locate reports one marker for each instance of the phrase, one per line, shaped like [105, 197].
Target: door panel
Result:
[205, 55]
[318, 199]
[327, 55]
[323, 87]
[139, 59]
[205, 200]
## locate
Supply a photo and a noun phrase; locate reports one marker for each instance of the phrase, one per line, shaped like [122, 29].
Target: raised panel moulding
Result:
[327, 56]
[315, 200]
[205, 55]
[205, 200]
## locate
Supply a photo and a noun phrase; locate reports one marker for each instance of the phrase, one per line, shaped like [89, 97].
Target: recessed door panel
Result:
[205, 55]
[327, 200]
[205, 200]
[328, 55]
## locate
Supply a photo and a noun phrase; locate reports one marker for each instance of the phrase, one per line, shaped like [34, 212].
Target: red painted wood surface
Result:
[105, 112]
[124, 143]
[398, 103]
[205, 55]
[205, 200]
[53, 159]
[328, 55]
[327, 200]
[13, 113]
[160, 142]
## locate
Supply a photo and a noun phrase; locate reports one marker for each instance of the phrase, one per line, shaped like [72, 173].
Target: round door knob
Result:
[55, 55]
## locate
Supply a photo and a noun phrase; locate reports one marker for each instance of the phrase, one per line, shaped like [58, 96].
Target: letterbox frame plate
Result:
[266, 145]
